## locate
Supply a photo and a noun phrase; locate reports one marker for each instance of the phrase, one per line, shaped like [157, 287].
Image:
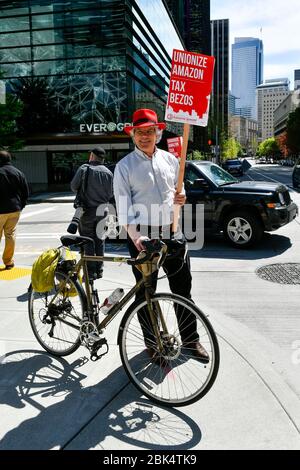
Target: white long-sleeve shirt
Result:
[144, 188]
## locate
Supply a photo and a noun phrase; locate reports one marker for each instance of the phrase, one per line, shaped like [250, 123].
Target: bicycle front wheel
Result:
[56, 326]
[168, 371]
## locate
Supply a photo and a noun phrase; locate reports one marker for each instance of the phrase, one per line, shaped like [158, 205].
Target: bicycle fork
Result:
[154, 317]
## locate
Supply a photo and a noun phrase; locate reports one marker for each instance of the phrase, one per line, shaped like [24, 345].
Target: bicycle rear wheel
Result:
[172, 376]
[57, 328]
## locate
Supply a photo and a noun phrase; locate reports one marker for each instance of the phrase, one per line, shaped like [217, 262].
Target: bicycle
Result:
[69, 316]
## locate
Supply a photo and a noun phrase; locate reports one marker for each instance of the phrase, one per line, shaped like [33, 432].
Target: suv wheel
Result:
[242, 229]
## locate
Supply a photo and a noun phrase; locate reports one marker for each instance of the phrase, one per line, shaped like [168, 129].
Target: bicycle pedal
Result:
[95, 348]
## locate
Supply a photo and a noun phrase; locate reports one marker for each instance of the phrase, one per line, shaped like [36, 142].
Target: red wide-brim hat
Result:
[144, 118]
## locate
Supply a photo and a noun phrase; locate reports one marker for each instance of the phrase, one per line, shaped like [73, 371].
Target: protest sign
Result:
[174, 146]
[188, 100]
[190, 88]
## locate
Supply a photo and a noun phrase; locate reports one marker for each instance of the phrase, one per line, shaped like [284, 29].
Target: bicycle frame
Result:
[115, 309]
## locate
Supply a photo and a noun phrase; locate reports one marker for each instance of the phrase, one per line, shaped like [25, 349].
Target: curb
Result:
[67, 199]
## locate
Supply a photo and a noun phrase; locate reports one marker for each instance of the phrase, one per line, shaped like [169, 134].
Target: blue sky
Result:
[280, 23]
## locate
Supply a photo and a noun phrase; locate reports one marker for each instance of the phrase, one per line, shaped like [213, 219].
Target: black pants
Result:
[87, 228]
[180, 283]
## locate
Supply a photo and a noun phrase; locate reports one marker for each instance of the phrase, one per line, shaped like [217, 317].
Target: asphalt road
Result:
[41, 225]
[274, 173]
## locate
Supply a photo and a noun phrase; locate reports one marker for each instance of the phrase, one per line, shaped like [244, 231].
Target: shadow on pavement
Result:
[49, 390]
[271, 245]
[23, 297]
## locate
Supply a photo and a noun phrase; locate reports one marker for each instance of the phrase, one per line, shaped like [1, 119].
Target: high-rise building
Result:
[244, 130]
[231, 103]
[219, 98]
[192, 18]
[247, 73]
[297, 79]
[101, 59]
[269, 96]
[281, 114]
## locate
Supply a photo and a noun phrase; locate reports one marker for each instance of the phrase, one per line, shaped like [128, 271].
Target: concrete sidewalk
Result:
[73, 403]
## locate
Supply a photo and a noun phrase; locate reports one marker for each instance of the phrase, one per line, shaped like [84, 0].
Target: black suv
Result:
[234, 167]
[242, 210]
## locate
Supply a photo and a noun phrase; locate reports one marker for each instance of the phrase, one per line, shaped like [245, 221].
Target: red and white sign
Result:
[190, 88]
[175, 145]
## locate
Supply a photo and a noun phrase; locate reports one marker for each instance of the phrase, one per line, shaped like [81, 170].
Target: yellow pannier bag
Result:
[43, 270]
[65, 264]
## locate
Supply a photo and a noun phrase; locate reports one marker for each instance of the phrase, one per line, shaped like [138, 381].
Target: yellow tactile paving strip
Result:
[14, 273]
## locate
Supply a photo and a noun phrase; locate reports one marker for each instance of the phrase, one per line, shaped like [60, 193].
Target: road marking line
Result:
[262, 174]
[41, 211]
[37, 237]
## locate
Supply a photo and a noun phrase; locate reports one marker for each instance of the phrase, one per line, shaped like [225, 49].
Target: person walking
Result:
[14, 193]
[94, 182]
[145, 192]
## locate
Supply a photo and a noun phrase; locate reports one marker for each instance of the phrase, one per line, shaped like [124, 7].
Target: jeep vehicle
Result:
[242, 210]
[233, 166]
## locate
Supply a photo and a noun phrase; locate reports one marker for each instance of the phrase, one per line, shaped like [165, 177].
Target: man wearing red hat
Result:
[145, 193]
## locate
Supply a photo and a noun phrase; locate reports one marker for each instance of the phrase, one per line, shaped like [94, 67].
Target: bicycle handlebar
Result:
[152, 247]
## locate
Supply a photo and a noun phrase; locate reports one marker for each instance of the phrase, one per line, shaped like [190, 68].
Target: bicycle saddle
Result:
[75, 240]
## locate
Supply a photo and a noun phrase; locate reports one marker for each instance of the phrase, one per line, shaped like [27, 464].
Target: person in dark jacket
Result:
[14, 193]
[97, 181]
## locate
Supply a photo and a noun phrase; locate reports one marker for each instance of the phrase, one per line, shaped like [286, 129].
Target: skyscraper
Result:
[297, 79]
[247, 74]
[269, 96]
[220, 50]
[192, 18]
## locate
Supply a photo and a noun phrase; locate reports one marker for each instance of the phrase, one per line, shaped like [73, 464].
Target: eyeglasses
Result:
[140, 132]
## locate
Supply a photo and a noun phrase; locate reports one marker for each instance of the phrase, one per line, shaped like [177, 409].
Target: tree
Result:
[231, 148]
[9, 113]
[269, 148]
[293, 130]
[196, 155]
[283, 145]
[41, 112]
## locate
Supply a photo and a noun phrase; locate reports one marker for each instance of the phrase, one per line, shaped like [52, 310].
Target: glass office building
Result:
[220, 50]
[103, 59]
[247, 74]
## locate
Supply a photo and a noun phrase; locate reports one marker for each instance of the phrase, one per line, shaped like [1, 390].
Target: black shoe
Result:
[198, 351]
[10, 266]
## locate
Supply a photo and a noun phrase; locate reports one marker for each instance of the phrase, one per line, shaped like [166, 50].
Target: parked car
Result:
[242, 211]
[233, 166]
[296, 175]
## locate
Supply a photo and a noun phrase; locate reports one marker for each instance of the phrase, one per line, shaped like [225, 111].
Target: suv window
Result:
[217, 175]
[191, 175]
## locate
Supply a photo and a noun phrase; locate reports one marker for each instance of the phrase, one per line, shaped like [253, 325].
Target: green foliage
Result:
[293, 130]
[231, 148]
[268, 148]
[196, 155]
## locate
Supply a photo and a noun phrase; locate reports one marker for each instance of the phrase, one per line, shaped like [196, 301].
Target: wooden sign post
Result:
[185, 141]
